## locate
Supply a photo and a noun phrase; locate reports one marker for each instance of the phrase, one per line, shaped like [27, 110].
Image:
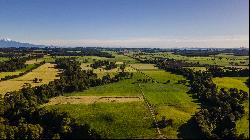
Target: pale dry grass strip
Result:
[92, 99]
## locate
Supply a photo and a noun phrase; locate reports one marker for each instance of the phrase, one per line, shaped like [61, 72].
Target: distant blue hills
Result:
[5, 43]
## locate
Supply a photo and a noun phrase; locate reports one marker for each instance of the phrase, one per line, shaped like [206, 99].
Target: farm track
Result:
[152, 113]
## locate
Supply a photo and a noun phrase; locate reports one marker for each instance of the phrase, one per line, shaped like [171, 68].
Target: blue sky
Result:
[132, 23]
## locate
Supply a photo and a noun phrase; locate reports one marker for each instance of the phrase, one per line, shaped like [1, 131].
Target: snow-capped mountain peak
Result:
[5, 39]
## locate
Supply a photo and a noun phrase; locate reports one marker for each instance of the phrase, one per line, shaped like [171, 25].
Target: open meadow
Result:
[165, 99]
[46, 72]
[114, 120]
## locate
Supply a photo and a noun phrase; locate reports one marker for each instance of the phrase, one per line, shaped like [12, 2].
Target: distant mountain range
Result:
[5, 42]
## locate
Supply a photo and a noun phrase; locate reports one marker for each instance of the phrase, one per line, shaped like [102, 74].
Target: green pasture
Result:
[197, 68]
[220, 59]
[170, 100]
[125, 87]
[163, 76]
[3, 59]
[114, 120]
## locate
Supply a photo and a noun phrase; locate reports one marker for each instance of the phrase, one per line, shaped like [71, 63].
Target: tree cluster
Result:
[78, 52]
[16, 63]
[228, 71]
[21, 118]
[107, 64]
[220, 109]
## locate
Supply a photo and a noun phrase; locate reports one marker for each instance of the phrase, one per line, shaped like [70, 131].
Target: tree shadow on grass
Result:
[189, 130]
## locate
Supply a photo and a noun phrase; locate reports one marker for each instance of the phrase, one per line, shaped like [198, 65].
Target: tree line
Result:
[228, 71]
[78, 52]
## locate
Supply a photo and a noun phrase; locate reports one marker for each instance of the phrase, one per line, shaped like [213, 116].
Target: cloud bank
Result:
[159, 42]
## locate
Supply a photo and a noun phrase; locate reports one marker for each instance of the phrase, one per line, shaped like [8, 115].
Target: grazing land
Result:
[126, 87]
[114, 120]
[166, 98]
[46, 72]
[28, 67]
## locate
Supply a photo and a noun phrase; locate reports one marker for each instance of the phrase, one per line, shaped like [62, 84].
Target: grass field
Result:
[197, 68]
[220, 59]
[46, 58]
[121, 88]
[101, 71]
[242, 126]
[144, 66]
[170, 100]
[46, 72]
[3, 59]
[231, 82]
[3, 74]
[118, 58]
[116, 120]
[163, 76]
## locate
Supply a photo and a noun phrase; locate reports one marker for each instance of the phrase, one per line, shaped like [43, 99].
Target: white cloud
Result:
[162, 42]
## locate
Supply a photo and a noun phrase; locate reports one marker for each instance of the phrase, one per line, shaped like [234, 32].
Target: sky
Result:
[127, 23]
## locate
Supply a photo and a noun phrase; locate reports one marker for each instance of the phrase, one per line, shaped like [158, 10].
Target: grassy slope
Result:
[242, 126]
[114, 120]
